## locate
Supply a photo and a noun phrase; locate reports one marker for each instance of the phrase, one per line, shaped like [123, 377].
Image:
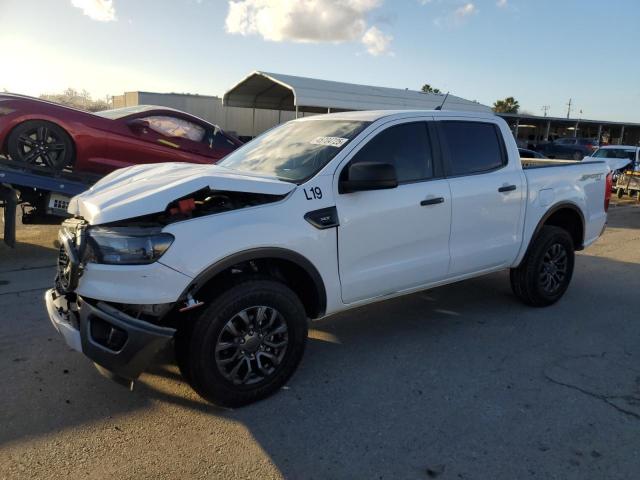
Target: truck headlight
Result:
[126, 245]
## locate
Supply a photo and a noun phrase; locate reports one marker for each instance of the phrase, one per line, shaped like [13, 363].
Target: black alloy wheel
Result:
[553, 269]
[246, 344]
[545, 272]
[40, 143]
[252, 345]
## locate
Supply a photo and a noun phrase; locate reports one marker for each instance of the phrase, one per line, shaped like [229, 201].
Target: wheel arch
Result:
[566, 215]
[285, 265]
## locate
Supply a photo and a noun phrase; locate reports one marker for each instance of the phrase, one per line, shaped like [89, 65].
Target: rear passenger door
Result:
[395, 239]
[487, 195]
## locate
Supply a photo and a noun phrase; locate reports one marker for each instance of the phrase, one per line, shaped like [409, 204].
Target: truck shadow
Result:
[395, 389]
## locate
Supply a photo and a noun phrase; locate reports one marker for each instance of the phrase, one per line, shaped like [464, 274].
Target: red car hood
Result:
[145, 189]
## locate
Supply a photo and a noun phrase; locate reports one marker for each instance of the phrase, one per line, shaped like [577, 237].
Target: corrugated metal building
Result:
[262, 100]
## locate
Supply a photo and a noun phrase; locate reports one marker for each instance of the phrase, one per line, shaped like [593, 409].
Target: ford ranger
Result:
[226, 263]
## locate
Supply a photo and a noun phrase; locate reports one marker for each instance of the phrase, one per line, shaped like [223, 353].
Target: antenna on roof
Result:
[439, 107]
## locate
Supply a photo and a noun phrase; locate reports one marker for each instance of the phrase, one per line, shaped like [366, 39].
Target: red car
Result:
[47, 134]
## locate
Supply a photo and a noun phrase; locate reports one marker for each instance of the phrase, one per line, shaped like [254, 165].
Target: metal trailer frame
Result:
[34, 187]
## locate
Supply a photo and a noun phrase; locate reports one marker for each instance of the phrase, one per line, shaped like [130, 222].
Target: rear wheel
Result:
[41, 143]
[620, 192]
[545, 273]
[247, 343]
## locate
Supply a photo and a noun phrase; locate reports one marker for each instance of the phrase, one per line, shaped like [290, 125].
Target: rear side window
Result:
[175, 127]
[406, 147]
[472, 147]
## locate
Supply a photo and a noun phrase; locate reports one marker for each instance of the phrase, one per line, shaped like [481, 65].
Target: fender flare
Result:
[260, 253]
[555, 208]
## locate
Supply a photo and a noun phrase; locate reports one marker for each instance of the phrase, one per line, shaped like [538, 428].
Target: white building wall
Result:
[232, 119]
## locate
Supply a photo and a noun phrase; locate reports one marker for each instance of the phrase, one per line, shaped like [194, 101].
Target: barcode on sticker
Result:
[330, 141]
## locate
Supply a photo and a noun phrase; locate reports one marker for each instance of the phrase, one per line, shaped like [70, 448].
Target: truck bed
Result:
[582, 185]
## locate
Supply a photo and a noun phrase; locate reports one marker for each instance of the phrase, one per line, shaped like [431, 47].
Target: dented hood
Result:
[145, 189]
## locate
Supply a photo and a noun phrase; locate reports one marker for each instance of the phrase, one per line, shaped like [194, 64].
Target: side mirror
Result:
[369, 176]
[138, 125]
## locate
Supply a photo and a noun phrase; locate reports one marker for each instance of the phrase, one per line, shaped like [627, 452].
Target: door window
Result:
[407, 147]
[472, 147]
[176, 127]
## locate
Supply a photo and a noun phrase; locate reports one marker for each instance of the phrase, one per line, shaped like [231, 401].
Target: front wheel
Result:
[545, 273]
[247, 343]
[41, 143]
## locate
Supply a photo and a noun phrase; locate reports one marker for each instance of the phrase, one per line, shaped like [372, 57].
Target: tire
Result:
[232, 334]
[41, 143]
[620, 193]
[546, 270]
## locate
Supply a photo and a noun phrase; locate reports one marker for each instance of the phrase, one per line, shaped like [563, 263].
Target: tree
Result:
[426, 88]
[81, 100]
[508, 105]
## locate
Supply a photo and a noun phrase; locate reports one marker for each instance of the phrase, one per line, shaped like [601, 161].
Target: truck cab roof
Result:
[373, 115]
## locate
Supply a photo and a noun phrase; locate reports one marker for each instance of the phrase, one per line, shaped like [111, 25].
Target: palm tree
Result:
[426, 88]
[508, 105]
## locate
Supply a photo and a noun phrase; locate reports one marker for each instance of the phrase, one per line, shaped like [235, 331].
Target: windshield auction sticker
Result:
[330, 141]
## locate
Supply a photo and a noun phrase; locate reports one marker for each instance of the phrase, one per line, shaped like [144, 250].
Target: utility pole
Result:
[569, 108]
[545, 109]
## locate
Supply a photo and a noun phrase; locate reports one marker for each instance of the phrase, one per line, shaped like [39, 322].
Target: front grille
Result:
[64, 279]
[68, 264]
[63, 258]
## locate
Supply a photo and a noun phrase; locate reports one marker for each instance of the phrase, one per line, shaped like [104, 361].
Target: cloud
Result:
[376, 42]
[501, 3]
[457, 17]
[465, 10]
[307, 21]
[100, 10]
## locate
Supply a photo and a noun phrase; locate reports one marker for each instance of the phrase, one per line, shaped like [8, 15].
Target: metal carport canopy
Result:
[275, 91]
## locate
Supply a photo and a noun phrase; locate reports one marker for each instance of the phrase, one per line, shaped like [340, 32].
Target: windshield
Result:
[296, 150]
[615, 153]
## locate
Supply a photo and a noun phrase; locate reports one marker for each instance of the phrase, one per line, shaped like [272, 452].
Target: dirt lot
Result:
[461, 382]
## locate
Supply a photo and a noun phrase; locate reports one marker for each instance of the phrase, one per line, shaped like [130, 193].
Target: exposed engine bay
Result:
[198, 204]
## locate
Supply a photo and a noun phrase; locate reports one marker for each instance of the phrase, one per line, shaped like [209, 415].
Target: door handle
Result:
[507, 188]
[432, 201]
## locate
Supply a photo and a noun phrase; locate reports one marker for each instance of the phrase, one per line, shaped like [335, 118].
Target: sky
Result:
[542, 52]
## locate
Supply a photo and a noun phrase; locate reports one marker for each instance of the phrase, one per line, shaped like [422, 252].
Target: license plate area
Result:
[57, 204]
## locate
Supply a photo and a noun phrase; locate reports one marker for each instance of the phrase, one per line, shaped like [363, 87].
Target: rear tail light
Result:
[608, 185]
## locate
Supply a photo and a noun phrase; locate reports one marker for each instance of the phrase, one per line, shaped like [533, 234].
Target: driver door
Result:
[395, 239]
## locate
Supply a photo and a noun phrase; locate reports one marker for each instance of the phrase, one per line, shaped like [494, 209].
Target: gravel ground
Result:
[460, 382]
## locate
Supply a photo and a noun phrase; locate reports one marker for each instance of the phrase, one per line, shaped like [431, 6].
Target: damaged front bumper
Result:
[114, 340]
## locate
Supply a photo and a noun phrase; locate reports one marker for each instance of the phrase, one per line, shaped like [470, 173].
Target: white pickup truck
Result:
[314, 217]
